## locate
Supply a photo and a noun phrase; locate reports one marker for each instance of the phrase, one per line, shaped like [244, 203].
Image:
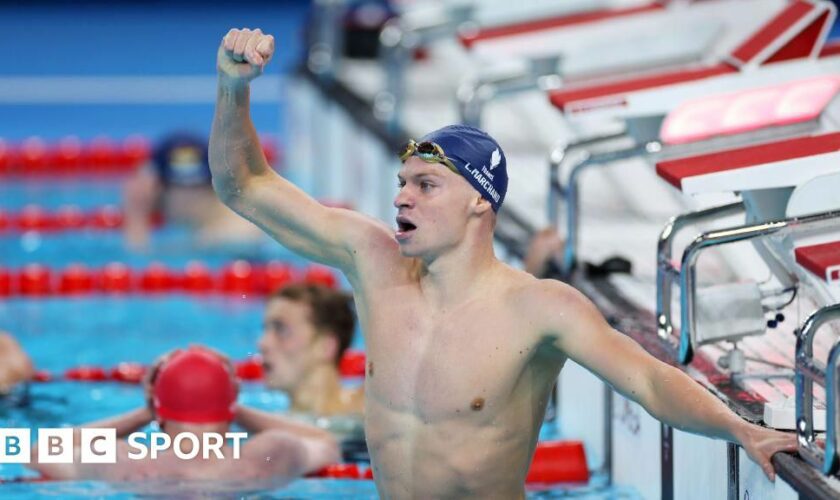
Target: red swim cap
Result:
[195, 386]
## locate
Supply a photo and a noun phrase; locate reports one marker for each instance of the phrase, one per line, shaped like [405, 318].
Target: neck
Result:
[454, 276]
[319, 390]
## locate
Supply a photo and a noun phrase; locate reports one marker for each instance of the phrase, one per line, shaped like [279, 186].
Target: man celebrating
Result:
[462, 349]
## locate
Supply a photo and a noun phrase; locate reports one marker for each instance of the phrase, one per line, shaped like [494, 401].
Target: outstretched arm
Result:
[245, 182]
[125, 424]
[318, 447]
[663, 390]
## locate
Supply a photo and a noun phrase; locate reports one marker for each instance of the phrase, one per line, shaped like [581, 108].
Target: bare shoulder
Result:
[376, 253]
[549, 302]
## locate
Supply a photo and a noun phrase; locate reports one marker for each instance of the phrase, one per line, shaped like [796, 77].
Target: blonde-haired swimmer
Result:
[194, 391]
[462, 349]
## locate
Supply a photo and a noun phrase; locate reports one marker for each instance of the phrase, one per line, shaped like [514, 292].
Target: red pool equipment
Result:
[250, 369]
[559, 462]
[157, 278]
[70, 217]
[130, 373]
[35, 218]
[102, 152]
[67, 154]
[135, 150]
[35, 279]
[33, 155]
[277, 275]
[320, 275]
[76, 279]
[239, 277]
[6, 154]
[116, 278]
[353, 364]
[86, 373]
[340, 471]
[107, 217]
[5, 282]
[197, 278]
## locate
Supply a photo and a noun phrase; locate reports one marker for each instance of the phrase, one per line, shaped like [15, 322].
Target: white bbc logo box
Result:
[56, 446]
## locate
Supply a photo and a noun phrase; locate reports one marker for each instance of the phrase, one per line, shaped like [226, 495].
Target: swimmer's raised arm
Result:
[245, 182]
[578, 330]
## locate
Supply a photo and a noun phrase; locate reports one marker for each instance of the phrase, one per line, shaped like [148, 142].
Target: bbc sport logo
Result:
[99, 446]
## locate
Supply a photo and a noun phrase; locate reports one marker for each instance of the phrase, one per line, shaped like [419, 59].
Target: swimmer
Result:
[306, 330]
[177, 182]
[195, 391]
[464, 349]
[15, 365]
[544, 250]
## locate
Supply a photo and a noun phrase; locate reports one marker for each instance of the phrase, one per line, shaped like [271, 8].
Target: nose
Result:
[261, 343]
[404, 199]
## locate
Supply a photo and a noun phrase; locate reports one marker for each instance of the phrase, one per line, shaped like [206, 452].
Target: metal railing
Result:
[808, 372]
[688, 280]
[666, 272]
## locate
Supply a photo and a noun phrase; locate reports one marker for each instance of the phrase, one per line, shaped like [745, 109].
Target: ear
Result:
[481, 205]
[327, 346]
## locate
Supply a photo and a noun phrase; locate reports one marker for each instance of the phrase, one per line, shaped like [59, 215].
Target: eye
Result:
[426, 186]
[400, 183]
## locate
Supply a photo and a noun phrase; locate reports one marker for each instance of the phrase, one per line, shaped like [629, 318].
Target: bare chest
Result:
[441, 363]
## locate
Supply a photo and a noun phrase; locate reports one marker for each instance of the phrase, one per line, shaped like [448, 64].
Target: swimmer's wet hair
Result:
[332, 311]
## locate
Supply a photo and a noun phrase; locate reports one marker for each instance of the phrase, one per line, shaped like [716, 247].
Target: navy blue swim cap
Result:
[181, 160]
[477, 156]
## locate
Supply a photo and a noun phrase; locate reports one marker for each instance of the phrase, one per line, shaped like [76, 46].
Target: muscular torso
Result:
[455, 396]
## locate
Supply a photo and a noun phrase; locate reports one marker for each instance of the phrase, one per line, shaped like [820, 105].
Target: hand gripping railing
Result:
[666, 272]
[808, 371]
[720, 237]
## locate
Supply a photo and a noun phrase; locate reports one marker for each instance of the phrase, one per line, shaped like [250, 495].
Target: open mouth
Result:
[266, 366]
[404, 228]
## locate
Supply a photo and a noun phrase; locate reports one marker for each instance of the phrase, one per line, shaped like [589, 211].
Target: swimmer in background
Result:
[195, 391]
[15, 365]
[306, 330]
[176, 182]
[462, 349]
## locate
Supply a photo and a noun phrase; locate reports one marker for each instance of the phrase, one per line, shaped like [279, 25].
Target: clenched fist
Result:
[243, 54]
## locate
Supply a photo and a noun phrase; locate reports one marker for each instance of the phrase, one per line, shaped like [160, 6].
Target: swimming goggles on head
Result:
[429, 152]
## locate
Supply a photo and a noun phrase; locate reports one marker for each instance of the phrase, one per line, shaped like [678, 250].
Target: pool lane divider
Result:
[67, 218]
[236, 278]
[352, 365]
[70, 155]
[561, 461]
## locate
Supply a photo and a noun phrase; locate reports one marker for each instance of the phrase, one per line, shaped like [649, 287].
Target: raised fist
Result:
[243, 54]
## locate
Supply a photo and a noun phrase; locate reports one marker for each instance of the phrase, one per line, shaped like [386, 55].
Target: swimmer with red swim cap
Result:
[194, 391]
[462, 349]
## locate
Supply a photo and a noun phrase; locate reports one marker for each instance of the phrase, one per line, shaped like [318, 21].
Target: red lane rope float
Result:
[66, 218]
[249, 369]
[238, 277]
[71, 155]
[554, 462]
